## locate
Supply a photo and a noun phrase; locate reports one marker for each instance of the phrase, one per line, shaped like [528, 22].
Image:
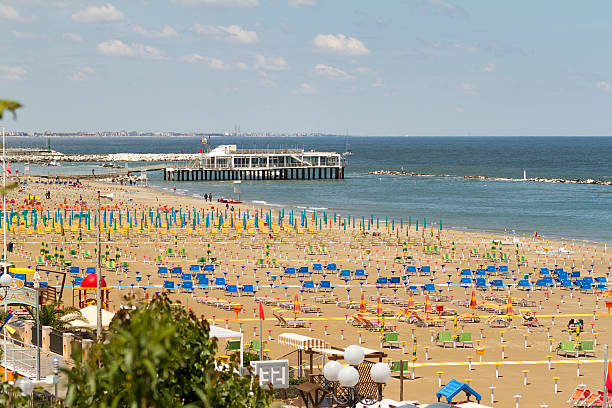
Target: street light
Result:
[348, 377]
[99, 272]
[5, 284]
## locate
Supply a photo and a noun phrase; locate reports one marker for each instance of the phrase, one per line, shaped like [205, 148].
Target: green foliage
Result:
[11, 106]
[11, 397]
[159, 356]
[59, 319]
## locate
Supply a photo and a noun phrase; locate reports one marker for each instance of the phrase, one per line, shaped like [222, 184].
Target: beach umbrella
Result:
[362, 304]
[424, 223]
[509, 311]
[379, 308]
[410, 301]
[427, 304]
[455, 321]
[473, 303]
[296, 306]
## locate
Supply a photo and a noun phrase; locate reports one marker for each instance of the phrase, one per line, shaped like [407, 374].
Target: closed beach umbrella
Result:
[509, 311]
[296, 306]
[362, 304]
[410, 301]
[427, 304]
[473, 304]
[379, 308]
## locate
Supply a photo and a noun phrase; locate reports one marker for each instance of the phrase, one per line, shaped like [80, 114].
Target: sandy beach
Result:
[258, 255]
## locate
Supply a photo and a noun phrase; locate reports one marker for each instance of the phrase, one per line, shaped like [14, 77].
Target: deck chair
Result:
[444, 338]
[465, 339]
[248, 290]
[586, 347]
[232, 345]
[391, 339]
[567, 348]
[232, 290]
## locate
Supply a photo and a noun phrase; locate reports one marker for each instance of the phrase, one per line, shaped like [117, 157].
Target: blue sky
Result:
[412, 67]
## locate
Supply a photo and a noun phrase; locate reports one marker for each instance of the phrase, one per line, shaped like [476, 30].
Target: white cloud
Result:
[83, 74]
[440, 8]
[459, 110]
[74, 37]
[166, 32]
[378, 83]
[604, 86]
[340, 45]
[27, 35]
[270, 63]
[468, 89]
[9, 13]
[117, 48]
[333, 73]
[231, 33]
[215, 63]
[93, 14]
[466, 47]
[363, 70]
[302, 3]
[12, 72]
[489, 68]
[218, 3]
[305, 89]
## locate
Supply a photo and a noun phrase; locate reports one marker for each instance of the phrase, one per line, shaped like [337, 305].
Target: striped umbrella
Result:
[379, 308]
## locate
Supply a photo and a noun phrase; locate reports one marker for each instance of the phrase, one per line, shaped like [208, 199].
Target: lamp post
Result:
[5, 283]
[99, 271]
[348, 377]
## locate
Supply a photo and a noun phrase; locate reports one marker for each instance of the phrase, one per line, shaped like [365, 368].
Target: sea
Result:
[554, 210]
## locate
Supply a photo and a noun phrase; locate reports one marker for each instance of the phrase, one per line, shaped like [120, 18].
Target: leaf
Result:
[9, 105]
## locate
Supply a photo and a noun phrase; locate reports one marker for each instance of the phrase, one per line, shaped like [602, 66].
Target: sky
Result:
[392, 67]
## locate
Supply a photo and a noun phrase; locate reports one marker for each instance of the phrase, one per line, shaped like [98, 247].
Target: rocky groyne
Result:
[533, 179]
[47, 156]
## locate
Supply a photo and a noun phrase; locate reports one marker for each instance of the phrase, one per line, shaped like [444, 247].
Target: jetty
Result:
[226, 163]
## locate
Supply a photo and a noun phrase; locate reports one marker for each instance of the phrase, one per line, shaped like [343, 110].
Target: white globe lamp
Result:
[353, 355]
[348, 376]
[380, 373]
[331, 370]
[6, 280]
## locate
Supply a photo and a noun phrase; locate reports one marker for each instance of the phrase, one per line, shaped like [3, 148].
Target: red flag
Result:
[261, 312]
[8, 168]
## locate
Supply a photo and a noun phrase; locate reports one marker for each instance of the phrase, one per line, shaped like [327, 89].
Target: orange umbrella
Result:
[509, 311]
[410, 301]
[362, 304]
[296, 305]
[473, 303]
[379, 309]
[427, 304]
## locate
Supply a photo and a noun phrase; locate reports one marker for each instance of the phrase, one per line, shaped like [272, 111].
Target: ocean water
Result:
[576, 211]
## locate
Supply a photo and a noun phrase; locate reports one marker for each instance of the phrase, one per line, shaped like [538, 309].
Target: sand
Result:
[351, 249]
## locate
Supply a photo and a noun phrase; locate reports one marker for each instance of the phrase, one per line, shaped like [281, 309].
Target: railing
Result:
[20, 357]
[196, 166]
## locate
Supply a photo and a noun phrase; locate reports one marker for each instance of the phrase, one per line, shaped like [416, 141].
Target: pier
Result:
[226, 163]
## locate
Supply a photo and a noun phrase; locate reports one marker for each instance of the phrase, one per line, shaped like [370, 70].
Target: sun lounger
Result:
[289, 324]
[586, 347]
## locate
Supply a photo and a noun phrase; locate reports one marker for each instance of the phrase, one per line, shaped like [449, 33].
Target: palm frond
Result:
[9, 105]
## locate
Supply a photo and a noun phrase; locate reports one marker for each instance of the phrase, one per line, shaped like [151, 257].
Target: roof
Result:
[223, 333]
[297, 341]
[454, 387]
